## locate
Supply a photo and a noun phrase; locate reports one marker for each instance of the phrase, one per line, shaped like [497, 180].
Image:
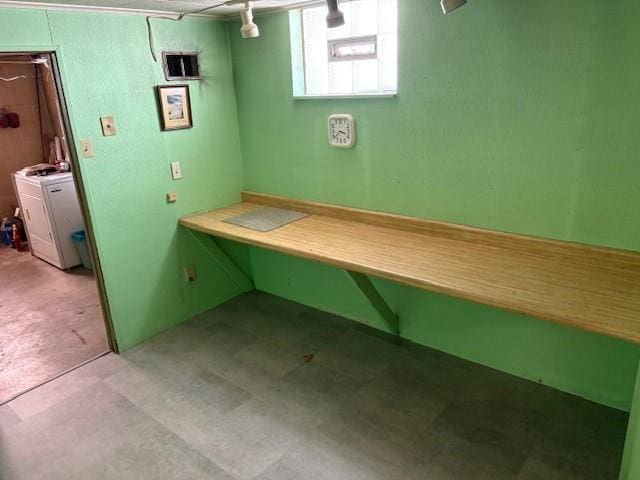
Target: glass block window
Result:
[358, 58]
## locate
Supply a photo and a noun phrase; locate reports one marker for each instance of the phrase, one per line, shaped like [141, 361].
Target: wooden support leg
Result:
[222, 259]
[376, 300]
[630, 469]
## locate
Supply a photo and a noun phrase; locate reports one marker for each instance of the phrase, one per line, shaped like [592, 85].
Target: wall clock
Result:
[342, 130]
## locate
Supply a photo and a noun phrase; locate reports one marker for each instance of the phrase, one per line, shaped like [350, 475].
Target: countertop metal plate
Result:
[266, 219]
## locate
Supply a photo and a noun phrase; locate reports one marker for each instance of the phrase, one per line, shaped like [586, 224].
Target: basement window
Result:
[359, 58]
[181, 65]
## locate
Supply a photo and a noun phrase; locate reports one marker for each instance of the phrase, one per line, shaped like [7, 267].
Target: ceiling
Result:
[228, 8]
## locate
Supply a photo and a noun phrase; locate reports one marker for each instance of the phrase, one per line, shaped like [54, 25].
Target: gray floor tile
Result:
[239, 452]
[456, 444]
[52, 393]
[357, 354]
[411, 397]
[104, 366]
[256, 367]
[386, 450]
[252, 437]
[172, 346]
[8, 418]
[230, 396]
[320, 458]
[315, 387]
[223, 340]
[310, 331]
[259, 313]
[481, 455]
[196, 394]
[536, 470]
[22, 453]
[96, 433]
[273, 420]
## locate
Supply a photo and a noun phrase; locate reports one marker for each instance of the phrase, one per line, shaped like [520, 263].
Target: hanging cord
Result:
[34, 61]
[177, 18]
[17, 77]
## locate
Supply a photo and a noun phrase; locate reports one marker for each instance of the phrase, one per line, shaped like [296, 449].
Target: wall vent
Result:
[181, 65]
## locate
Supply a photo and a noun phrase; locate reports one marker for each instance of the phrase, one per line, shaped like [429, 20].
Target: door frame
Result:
[52, 53]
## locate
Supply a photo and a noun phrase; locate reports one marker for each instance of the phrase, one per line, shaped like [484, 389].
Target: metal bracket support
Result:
[377, 302]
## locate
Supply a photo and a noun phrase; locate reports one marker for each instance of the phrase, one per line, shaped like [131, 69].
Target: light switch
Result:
[172, 197]
[108, 126]
[86, 145]
[176, 170]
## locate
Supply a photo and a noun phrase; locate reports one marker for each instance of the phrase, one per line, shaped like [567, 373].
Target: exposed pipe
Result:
[176, 18]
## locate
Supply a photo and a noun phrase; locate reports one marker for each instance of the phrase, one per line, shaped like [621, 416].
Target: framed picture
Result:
[175, 106]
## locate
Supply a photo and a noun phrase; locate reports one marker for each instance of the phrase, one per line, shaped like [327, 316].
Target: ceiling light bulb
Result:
[248, 29]
[451, 5]
[335, 18]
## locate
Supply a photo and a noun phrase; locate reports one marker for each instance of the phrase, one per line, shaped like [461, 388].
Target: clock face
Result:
[342, 131]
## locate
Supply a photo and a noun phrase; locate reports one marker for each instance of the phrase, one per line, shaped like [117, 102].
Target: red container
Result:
[13, 119]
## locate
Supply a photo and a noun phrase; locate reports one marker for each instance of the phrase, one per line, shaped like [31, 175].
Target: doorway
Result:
[52, 314]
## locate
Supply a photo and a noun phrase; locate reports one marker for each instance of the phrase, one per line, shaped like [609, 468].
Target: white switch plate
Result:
[86, 145]
[108, 126]
[176, 170]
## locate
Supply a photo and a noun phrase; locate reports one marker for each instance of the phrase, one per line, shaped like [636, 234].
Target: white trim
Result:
[346, 96]
[135, 11]
[97, 9]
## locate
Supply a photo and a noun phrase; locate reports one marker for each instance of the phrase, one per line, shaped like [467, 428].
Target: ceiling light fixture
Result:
[450, 5]
[335, 18]
[248, 29]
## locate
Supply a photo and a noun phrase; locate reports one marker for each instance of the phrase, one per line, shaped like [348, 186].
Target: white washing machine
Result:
[51, 213]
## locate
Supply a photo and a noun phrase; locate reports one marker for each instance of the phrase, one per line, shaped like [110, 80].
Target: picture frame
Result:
[175, 107]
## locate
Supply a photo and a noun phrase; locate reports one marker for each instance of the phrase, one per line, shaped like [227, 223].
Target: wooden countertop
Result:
[591, 288]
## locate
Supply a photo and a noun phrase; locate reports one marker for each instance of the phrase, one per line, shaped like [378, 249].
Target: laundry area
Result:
[50, 318]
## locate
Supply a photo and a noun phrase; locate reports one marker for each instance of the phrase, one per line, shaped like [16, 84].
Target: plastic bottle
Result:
[17, 243]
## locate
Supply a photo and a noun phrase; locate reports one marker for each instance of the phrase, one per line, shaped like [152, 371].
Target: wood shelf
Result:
[592, 288]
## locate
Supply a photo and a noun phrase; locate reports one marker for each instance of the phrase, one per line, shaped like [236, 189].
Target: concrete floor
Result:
[230, 395]
[50, 321]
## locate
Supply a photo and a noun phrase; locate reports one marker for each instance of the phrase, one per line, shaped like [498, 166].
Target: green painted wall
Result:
[107, 70]
[516, 116]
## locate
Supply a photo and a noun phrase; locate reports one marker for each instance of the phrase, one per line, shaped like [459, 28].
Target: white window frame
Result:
[298, 63]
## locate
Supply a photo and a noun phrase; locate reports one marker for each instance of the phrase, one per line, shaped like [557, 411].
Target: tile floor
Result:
[230, 395]
[50, 321]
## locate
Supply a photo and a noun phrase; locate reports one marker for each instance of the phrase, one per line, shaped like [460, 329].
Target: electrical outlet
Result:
[176, 170]
[172, 197]
[190, 273]
[108, 126]
[86, 145]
